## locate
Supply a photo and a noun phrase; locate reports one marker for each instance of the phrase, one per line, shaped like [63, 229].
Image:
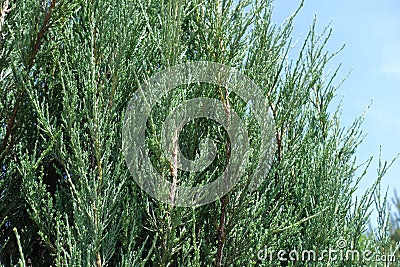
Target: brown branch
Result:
[225, 199]
[6, 145]
[279, 137]
[174, 167]
[279, 134]
[98, 260]
[41, 33]
[174, 171]
[221, 231]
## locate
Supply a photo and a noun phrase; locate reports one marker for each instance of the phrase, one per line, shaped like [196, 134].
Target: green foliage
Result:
[395, 226]
[68, 70]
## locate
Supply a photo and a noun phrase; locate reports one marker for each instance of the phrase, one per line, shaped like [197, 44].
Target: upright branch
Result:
[225, 199]
[174, 169]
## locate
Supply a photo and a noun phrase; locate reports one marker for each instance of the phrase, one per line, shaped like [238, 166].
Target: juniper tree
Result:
[68, 71]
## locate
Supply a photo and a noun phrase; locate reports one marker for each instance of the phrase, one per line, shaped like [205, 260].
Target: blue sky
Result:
[371, 32]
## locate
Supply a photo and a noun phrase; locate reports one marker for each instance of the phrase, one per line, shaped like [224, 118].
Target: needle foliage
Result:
[67, 72]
